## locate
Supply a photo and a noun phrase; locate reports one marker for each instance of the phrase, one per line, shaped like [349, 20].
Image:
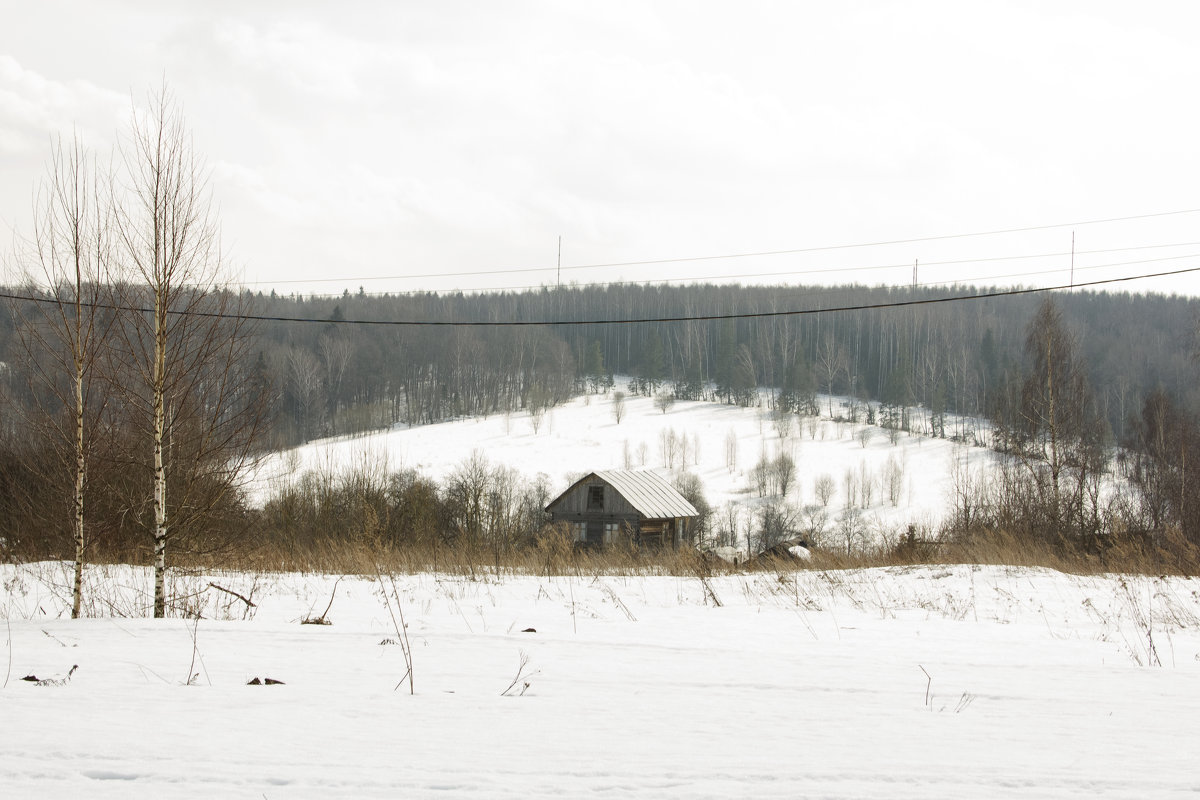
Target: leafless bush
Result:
[866, 485]
[760, 476]
[727, 526]
[776, 522]
[893, 478]
[781, 421]
[784, 468]
[537, 415]
[618, 406]
[670, 444]
[824, 488]
[814, 520]
[852, 529]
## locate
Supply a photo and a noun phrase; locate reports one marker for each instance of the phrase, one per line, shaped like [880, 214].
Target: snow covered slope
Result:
[720, 443]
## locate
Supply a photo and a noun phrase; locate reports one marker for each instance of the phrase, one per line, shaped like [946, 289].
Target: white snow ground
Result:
[583, 435]
[956, 682]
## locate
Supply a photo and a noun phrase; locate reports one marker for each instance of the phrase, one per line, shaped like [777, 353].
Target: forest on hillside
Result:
[952, 357]
[332, 375]
[1065, 380]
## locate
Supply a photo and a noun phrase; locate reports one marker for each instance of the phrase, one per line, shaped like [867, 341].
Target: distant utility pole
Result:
[1072, 259]
[560, 261]
[915, 263]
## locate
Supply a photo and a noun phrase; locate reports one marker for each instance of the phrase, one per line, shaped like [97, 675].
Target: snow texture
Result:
[917, 682]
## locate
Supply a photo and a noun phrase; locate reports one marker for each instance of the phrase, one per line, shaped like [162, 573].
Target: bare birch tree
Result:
[304, 382]
[831, 358]
[335, 356]
[1059, 430]
[186, 339]
[62, 338]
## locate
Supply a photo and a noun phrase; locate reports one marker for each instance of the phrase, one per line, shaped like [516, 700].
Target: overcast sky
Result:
[396, 145]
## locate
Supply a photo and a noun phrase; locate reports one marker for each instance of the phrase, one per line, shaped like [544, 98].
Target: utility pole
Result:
[1072, 259]
[915, 263]
[560, 261]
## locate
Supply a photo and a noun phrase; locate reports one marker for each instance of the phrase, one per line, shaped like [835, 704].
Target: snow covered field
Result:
[583, 435]
[901, 682]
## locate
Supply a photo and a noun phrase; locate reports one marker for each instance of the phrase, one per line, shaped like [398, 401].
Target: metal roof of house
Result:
[651, 495]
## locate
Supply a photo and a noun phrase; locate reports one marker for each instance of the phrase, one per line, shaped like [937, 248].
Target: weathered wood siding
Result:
[574, 504]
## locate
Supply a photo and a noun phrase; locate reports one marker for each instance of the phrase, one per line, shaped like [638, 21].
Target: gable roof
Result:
[650, 495]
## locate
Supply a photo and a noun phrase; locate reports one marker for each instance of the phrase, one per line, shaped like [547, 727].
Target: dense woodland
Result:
[954, 357]
[1066, 384]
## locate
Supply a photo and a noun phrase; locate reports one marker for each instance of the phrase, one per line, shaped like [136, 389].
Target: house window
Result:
[578, 532]
[595, 498]
[611, 531]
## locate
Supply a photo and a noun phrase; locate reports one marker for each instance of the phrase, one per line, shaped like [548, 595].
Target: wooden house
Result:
[603, 508]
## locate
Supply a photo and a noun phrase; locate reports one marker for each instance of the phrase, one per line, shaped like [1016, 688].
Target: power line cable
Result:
[701, 279]
[644, 320]
[753, 254]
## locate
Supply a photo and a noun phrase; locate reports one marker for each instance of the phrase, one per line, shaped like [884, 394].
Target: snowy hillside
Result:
[907, 480]
[920, 682]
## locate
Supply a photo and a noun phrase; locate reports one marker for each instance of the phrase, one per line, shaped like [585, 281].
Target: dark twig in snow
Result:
[321, 619]
[401, 628]
[403, 631]
[520, 677]
[250, 603]
[192, 674]
[55, 638]
[8, 674]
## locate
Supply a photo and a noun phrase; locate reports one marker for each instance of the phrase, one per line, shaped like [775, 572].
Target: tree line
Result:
[952, 359]
[1080, 378]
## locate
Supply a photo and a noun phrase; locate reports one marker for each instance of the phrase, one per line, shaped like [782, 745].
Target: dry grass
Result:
[545, 558]
[1168, 554]
[553, 555]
